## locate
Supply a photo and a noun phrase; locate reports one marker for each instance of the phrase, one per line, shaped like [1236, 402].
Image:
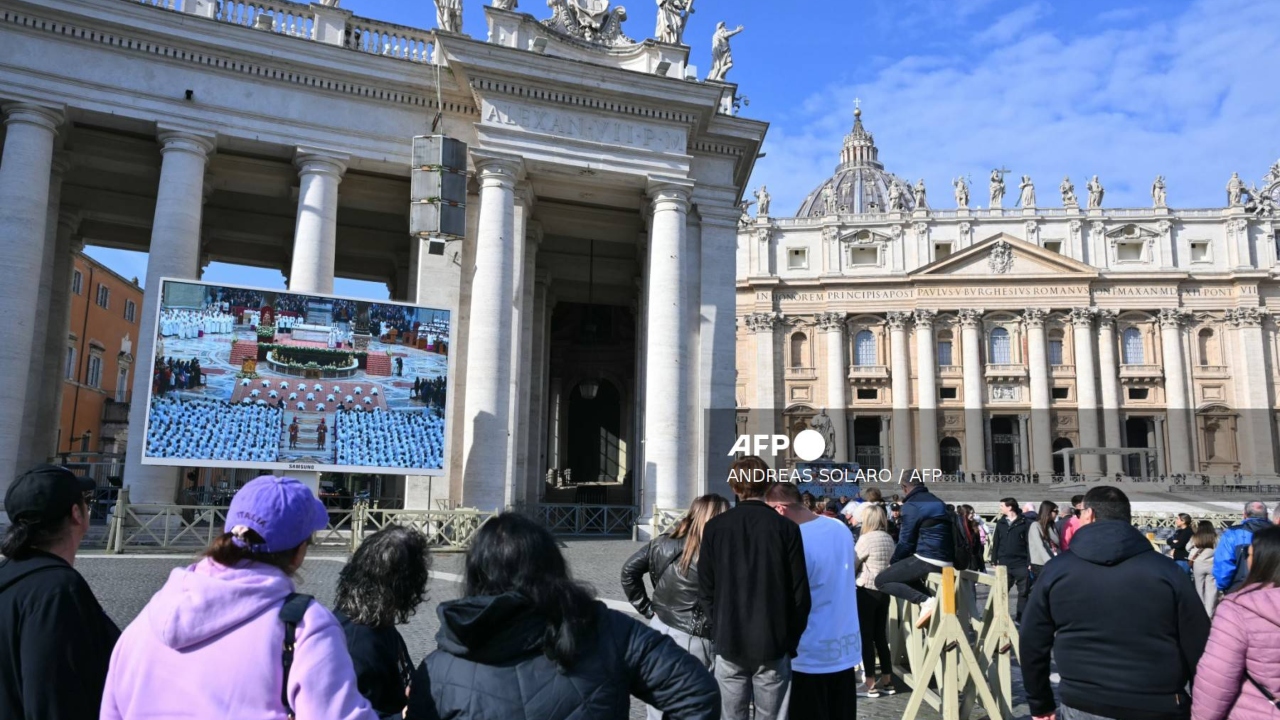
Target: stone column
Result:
[718, 335]
[315, 238]
[1024, 462]
[1109, 375]
[832, 326]
[1086, 387]
[25, 172]
[1177, 406]
[1159, 433]
[765, 411]
[1253, 393]
[1038, 365]
[486, 415]
[59, 323]
[667, 437]
[927, 383]
[32, 449]
[900, 384]
[537, 414]
[174, 253]
[522, 353]
[975, 449]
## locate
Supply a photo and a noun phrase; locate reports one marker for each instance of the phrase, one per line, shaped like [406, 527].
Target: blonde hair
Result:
[691, 525]
[874, 518]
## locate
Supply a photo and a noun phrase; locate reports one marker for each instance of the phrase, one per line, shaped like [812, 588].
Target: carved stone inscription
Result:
[582, 126]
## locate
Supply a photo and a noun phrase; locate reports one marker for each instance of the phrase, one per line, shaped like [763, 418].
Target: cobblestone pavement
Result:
[125, 583]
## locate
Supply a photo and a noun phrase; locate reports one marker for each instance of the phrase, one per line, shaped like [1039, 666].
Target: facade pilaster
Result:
[315, 239]
[1177, 406]
[174, 253]
[1024, 443]
[25, 171]
[900, 384]
[975, 428]
[487, 437]
[1109, 375]
[1253, 393]
[832, 326]
[667, 426]
[766, 415]
[1086, 387]
[1038, 368]
[1161, 465]
[927, 384]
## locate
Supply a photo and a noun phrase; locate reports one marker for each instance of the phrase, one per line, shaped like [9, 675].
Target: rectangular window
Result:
[1138, 393]
[1129, 251]
[130, 310]
[868, 393]
[77, 282]
[1055, 352]
[798, 259]
[1061, 393]
[70, 371]
[941, 250]
[944, 352]
[104, 296]
[1054, 246]
[93, 375]
[1200, 252]
[864, 256]
[947, 393]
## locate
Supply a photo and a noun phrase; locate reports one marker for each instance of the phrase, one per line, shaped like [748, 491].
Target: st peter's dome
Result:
[860, 183]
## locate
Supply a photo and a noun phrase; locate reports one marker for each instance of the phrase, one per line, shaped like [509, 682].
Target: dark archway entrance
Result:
[1137, 434]
[949, 452]
[594, 444]
[1005, 450]
[1059, 462]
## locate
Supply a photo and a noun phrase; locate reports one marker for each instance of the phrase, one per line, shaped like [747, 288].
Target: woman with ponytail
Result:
[528, 642]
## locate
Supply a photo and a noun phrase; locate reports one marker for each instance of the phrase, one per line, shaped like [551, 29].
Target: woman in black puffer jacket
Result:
[528, 643]
[671, 562]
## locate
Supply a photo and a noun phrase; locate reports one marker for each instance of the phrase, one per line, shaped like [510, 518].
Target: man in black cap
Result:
[55, 639]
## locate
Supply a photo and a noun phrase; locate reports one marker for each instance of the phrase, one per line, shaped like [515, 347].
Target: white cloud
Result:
[1012, 24]
[1187, 97]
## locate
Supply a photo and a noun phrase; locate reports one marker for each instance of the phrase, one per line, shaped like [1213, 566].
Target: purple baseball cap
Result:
[280, 509]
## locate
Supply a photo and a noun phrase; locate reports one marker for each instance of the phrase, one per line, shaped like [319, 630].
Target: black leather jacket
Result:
[675, 596]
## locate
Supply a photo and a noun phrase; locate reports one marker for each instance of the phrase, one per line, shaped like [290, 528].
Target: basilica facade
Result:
[1029, 338]
[591, 305]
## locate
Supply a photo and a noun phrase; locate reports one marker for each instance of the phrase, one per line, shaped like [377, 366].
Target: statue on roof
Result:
[721, 53]
[505, 4]
[918, 194]
[896, 203]
[1235, 191]
[1273, 175]
[1096, 192]
[745, 218]
[1027, 192]
[1068, 190]
[762, 201]
[590, 20]
[1158, 199]
[962, 192]
[672, 17]
[449, 15]
[997, 189]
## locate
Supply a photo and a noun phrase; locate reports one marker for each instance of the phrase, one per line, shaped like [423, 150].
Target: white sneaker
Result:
[926, 612]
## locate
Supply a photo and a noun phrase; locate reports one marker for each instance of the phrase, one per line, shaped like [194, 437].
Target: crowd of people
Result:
[186, 324]
[430, 391]
[169, 375]
[213, 430]
[761, 609]
[399, 439]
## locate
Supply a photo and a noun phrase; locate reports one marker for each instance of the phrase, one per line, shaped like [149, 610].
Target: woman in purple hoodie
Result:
[209, 644]
[1239, 673]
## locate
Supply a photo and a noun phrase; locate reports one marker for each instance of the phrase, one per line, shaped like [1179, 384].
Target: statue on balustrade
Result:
[896, 203]
[505, 4]
[1235, 191]
[672, 17]
[1096, 192]
[1027, 198]
[721, 53]
[449, 15]
[762, 201]
[962, 192]
[918, 194]
[1158, 198]
[997, 189]
[1068, 190]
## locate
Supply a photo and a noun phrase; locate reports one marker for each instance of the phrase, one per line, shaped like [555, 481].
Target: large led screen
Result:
[271, 380]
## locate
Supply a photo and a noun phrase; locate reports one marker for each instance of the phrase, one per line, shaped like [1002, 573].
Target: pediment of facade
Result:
[1005, 256]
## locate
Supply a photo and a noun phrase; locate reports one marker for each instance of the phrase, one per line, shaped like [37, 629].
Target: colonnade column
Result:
[1177, 406]
[900, 385]
[522, 349]
[1253, 393]
[1038, 363]
[832, 326]
[927, 382]
[975, 429]
[1109, 374]
[537, 415]
[486, 415]
[716, 314]
[67, 245]
[24, 207]
[667, 425]
[315, 238]
[174, 253]
[1086, 387]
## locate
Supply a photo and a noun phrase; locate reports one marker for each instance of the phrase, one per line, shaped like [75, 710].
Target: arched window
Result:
[1208, 347]
[864, 348]
[1000, 353]
[799, 350]
[1131, 351]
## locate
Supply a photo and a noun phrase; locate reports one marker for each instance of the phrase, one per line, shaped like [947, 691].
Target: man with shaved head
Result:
[1229, 566]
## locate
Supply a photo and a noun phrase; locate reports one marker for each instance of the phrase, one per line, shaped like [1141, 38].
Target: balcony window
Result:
[864, 348]
[944, 352]
[1055, 352]
[1000, 348]
[1131, 350]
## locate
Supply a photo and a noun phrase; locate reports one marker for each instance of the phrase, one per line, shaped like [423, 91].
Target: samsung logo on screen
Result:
[302, 466]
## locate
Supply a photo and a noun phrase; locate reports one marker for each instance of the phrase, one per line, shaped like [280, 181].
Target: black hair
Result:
[1264, 567]
[1009, 502]
[386, 579]
[512, 553]
[25, 536]
[1045, 518]
[832, 506]
[1108, 503]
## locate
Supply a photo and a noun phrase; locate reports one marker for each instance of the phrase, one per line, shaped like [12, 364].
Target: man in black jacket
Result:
[754, 587]
[55, 640]
[925, 545]
[1009, 548]
[1122, 622]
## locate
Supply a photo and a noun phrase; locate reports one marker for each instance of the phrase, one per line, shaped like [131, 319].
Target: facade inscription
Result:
[581, 126]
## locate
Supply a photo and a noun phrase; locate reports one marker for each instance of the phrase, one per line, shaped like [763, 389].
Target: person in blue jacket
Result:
[925, 545]
[1229, 567]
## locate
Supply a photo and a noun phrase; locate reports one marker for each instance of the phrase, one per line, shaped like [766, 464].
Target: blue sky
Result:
[1124, 90]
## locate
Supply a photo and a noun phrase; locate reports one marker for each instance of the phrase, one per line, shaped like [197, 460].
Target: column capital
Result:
[673, 192]
[494, 168]
[898, 320]
[1082, 317]
[319, 161]
[1247, 316]
[175, 139]
[24, 113]
[924, 318]
[1106, 318]
[763, 322]
[69, 221]
[830, 321]
[970, 317]
[1034, 317]
[1172, 317]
